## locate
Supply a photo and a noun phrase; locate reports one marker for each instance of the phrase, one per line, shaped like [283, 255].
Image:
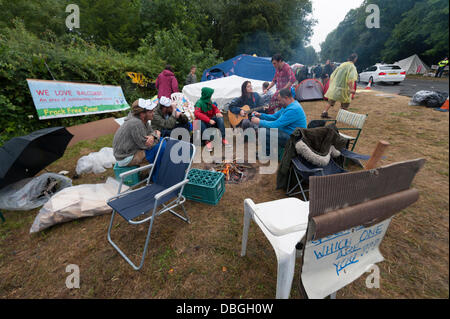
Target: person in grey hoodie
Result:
[135, 136]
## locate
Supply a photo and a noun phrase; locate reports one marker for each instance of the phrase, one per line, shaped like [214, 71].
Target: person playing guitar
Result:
[241, 107]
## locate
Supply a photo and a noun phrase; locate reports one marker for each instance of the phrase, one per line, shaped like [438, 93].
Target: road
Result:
[410, 86]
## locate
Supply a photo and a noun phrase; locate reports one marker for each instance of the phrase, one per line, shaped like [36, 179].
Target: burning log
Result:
[233, 172]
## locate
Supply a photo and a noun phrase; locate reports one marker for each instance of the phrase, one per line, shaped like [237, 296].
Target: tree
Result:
[114, 23]
[424, 30]
[177, 49]
[40, 17]
[407, 27]
[261, 27]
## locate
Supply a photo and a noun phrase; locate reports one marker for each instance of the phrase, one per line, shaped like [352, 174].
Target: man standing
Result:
[166, 82]
[327, 70]
[285, 120]
[318, 71]
[302, 74]
[135, 136]
[284, 78]
[166, 117]
[191, 77]
[441, 66]
[342, 85]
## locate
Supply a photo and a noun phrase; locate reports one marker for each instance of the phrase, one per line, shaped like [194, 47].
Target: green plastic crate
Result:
[204, 186]
[131, 180]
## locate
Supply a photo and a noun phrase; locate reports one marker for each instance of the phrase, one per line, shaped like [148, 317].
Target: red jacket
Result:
[166, 84]
[206, 117]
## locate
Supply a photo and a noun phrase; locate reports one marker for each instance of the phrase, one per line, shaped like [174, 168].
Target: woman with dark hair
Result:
[248, 97]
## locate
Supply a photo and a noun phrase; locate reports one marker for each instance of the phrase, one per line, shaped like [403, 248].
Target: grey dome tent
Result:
[309, 89]
[413, 65]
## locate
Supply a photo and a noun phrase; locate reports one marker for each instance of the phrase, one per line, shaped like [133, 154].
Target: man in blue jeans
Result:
[286, 120]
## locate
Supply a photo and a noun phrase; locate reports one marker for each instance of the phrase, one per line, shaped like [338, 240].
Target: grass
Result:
[202, 259]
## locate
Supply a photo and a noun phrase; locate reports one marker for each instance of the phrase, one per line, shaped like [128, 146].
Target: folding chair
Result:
[354, 120]
[302, 170]
[168, 186]
[338, 231]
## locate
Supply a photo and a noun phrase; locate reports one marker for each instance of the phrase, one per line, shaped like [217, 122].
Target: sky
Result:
[329, 13]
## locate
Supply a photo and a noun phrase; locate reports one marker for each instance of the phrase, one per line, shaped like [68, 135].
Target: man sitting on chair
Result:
[166, 117]
[135, 142]
[135, 135]
[285, 120]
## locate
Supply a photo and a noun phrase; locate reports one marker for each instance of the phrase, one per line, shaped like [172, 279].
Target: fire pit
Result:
[234, 172]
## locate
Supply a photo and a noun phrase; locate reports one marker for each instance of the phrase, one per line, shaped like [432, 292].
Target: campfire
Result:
[234, 173]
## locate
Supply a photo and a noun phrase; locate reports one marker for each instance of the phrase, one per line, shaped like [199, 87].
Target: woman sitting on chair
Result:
[209, 115]
[250, 98]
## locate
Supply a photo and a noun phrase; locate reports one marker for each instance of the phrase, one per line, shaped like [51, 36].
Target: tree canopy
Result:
[406, 27]
[118, 36]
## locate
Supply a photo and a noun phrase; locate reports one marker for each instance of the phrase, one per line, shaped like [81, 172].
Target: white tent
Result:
[225, 89]
[413, 65]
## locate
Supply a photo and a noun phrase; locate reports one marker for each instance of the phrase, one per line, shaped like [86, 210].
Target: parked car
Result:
[382, 73]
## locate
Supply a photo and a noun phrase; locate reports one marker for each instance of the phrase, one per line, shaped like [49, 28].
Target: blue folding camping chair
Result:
[303, 170]
[165, 194]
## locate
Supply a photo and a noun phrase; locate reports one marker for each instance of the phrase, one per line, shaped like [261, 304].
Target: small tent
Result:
[413, 65]
[247, 66]
[309, 89]
[225, 89]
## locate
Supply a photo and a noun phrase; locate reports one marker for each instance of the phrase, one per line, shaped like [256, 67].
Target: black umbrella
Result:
[25, 156]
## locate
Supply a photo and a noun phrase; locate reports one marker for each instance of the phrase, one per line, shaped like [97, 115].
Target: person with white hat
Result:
[135, 136]
[166, 117]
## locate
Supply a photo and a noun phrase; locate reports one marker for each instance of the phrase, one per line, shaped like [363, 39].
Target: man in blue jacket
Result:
[286, 120]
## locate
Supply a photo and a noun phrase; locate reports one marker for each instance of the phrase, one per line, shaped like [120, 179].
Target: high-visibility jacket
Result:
[443, 63]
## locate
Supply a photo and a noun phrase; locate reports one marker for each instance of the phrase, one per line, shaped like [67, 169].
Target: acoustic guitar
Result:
[236, 119]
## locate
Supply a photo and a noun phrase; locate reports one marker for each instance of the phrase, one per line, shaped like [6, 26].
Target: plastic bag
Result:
[429, 98]
[76, 202]
[33, 192]
[96, 162]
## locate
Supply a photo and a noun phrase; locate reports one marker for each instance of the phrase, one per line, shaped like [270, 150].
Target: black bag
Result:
[429, 98]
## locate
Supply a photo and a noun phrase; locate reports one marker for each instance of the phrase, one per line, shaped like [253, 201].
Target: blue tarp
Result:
[246, 66]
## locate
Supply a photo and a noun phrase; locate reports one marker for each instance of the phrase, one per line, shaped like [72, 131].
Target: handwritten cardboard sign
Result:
[333, 262]
[54, 99]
